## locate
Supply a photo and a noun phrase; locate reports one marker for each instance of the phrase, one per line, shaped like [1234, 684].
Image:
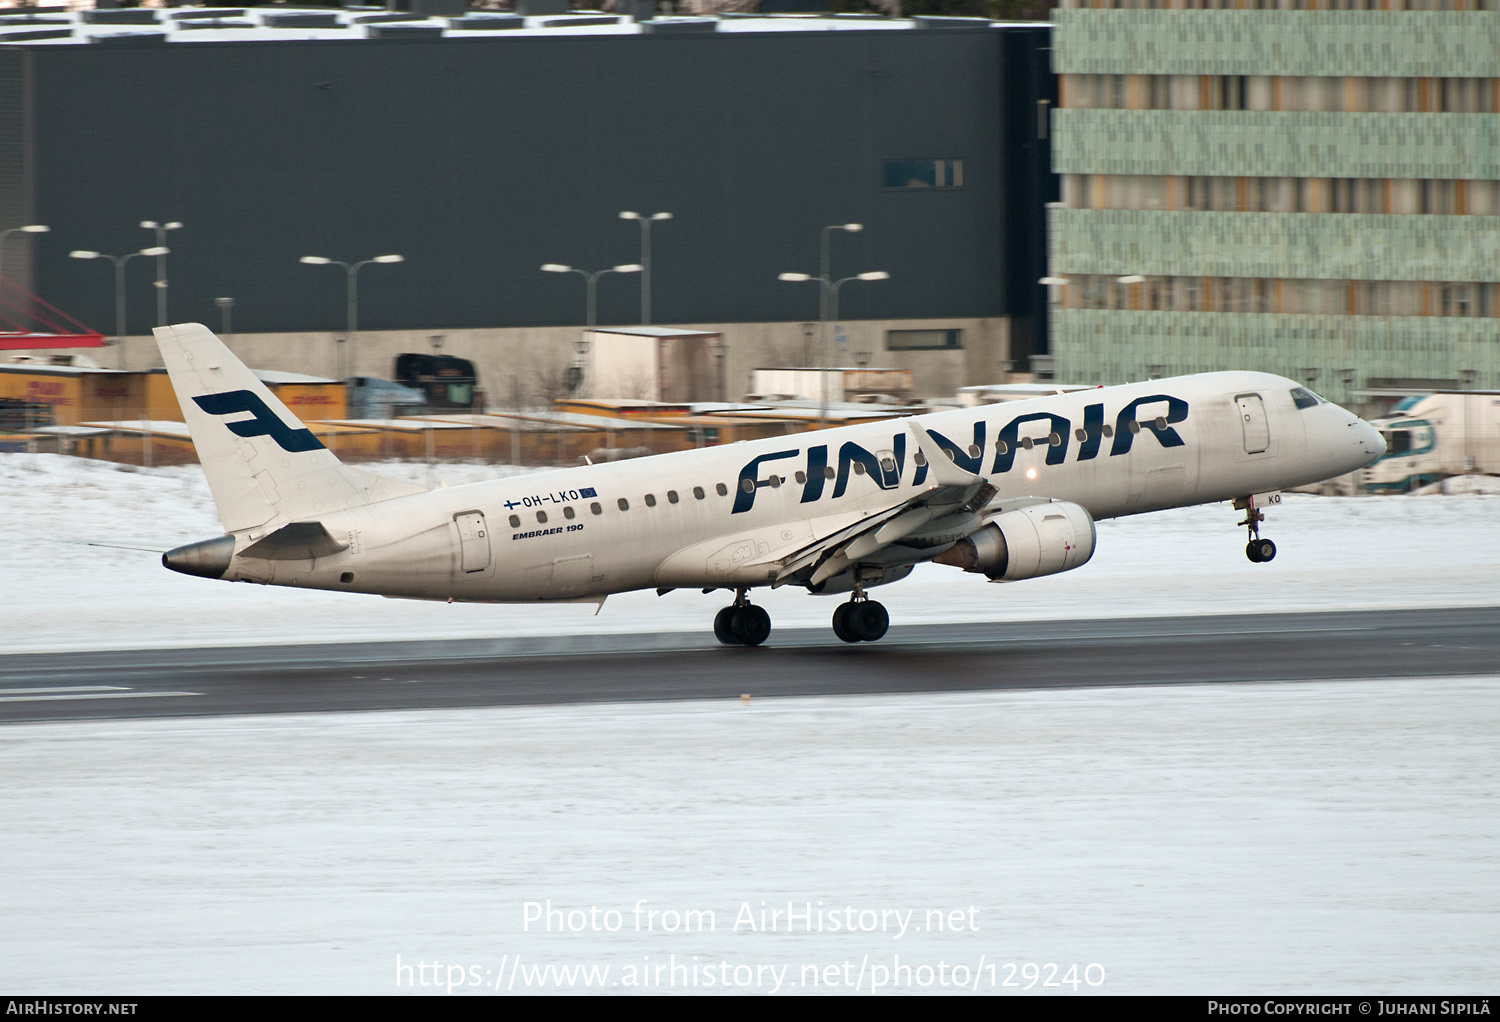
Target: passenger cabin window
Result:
[624, 504]
[722, 490]
[515, 521]
[596, 509]
[671, 496]
[650, 500]
[698, 492]
[1304, 398]
[568, 513]
[541, 517]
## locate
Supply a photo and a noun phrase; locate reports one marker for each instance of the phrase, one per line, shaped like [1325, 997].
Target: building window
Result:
[924, 340]
[924, 173]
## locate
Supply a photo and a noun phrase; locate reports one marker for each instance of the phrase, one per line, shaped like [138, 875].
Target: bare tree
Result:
[794, 352]
[550, 381]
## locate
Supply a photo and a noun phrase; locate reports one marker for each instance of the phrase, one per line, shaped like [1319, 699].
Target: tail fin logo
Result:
[264, 423]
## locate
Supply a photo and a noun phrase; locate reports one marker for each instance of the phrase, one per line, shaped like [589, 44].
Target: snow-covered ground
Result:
[1334, 553]
[1329, 837]
[1318, 837]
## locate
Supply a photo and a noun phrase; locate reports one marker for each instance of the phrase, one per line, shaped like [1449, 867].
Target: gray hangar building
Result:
[480, 147]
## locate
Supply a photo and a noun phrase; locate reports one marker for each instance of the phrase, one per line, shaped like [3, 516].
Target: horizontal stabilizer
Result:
[299, 541]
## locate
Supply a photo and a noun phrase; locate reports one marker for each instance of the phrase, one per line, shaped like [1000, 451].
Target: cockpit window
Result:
[1304, 398]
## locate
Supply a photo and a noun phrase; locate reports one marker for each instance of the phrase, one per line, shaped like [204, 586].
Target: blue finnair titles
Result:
[886, 467]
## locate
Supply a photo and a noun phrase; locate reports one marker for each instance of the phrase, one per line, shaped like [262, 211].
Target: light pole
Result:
[592, 280]
[119, 262]
[352, 269]
[226, 310]
[825, 264]
[31, 229]
[161, 265]
[645, 222]
[829, 307]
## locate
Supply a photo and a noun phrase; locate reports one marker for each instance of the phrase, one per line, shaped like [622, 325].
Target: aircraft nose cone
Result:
[1370, 440]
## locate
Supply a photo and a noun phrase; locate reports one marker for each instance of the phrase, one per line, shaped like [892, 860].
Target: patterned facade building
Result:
[1310, 187]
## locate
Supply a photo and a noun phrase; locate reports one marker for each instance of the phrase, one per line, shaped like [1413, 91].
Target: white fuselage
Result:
[716, 517]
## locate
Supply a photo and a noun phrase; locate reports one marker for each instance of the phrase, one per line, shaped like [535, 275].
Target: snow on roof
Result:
[55, 370]
[289, 24]
[162, 426]
[654, 331]
[278, 376]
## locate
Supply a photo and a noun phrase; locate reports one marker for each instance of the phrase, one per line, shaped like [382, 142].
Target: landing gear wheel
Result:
[1252, 551]
[722, 629]
[869, 620]
[1265, 550]
[750, 624]
[841, 626]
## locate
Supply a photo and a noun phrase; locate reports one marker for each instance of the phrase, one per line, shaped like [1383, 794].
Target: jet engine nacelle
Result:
[1029, 542]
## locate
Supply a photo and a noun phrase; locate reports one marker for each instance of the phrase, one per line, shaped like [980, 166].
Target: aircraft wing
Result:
[947, 510]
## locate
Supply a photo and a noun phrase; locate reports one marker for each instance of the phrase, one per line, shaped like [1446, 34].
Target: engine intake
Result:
[1029, 542]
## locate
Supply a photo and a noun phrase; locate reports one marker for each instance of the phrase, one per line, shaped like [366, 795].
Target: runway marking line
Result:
[65, 693]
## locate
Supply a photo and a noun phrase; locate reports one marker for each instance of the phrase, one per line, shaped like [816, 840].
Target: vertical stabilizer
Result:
[264, 466]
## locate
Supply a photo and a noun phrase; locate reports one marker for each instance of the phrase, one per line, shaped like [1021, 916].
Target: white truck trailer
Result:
[1433, 436]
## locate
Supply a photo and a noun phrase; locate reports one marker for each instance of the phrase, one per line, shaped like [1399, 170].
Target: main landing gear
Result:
[741, 623]
[861, 619]
[1258, 550]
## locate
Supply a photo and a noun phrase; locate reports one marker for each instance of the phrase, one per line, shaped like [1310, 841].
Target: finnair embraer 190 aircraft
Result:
[1007, 491]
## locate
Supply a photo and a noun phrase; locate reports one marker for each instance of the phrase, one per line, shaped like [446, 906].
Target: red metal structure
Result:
[27, 321]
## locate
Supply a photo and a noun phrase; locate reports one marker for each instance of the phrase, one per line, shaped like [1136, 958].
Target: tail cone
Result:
[207, 559]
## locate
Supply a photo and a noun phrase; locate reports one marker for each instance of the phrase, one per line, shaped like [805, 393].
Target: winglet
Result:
[940, 467]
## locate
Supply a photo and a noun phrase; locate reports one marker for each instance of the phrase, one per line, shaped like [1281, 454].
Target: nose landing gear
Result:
[1257, 550]
[861, 619]
[1260, 550]
[742, 623]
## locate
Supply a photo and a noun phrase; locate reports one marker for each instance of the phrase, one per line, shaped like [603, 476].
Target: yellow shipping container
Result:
[307, 397]
[76, 394]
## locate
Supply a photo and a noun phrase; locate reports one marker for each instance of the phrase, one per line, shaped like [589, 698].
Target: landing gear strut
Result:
[1258, 550]
[741, 623]
[861, 619]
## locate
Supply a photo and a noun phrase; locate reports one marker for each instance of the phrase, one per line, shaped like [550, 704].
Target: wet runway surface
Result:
[794, 662]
